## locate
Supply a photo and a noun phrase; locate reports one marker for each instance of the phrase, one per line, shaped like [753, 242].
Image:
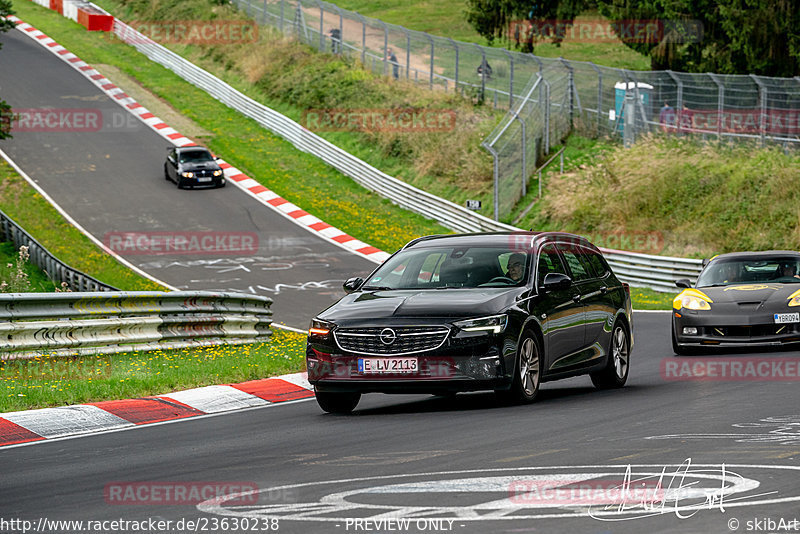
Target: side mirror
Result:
[352, 284]
[556, 281]
[684, 283]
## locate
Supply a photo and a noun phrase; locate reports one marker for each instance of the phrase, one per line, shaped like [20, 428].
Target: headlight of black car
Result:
[493, 323]
[320, 329]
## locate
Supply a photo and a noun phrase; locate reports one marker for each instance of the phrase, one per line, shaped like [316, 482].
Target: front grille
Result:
[407, 339]
[203, 173]
[754, 331]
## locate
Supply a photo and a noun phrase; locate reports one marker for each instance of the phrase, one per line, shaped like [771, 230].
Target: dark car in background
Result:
[495, 311]
[193, 166]
[741, 299]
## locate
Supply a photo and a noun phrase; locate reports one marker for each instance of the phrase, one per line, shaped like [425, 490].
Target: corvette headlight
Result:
[794, 298]
[493, 323]
[217, 172]
[692, 299]
[188, 174]
[690, 302]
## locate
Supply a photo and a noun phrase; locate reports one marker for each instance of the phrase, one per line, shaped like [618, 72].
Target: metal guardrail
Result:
[54, 268]
[631, 267]
[61, 324]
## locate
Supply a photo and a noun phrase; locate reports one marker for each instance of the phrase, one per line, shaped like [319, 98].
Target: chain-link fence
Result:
[595, 100]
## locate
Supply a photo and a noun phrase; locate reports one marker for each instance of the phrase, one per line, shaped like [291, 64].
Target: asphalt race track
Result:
[112, 181]
[664, 454]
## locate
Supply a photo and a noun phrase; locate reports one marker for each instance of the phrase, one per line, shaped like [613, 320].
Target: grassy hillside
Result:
[704, 199]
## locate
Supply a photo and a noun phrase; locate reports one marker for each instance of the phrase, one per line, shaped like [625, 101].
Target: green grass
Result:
[9, 256]
[40, 219]
[705, 199]
[46, 381]
[447, 18]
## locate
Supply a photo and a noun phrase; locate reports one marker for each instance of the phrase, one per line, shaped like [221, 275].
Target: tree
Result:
[522, 21]
[736, 37]
[5, 109]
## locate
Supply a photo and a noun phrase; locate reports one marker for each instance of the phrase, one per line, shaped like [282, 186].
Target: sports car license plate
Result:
[781, 318]
[387, 365]
[204, 179]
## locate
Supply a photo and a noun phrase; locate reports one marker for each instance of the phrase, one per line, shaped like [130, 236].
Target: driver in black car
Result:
[516, 266]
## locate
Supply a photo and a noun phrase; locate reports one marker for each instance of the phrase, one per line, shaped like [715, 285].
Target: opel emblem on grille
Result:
[387, 336]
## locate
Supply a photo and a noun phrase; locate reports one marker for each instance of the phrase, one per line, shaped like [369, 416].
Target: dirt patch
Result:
[155, 104]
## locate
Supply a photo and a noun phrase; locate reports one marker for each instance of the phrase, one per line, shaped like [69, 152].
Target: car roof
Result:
[751, 255]
[520, 239]
[192, 149]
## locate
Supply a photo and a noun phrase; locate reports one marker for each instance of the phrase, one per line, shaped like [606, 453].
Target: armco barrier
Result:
[55, 269]
[58, 324]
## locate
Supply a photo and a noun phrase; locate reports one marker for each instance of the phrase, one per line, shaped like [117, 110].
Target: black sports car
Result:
[741, 299]
[503, 312]
[193, 166]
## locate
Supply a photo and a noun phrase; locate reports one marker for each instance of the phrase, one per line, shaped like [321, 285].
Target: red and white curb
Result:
[52, 423]
[234, 175]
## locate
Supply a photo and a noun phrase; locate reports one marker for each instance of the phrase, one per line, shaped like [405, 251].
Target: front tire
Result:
[166, 173]
[615, 373]
[337, 402]
[527, 373]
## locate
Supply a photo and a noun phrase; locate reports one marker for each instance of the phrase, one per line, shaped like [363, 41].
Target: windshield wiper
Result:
[376, 288]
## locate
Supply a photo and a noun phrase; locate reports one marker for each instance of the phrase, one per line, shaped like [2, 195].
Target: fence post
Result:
[455, 47]
[720, 103]
[280, 23]
[679, 83]
[762, 95]
[570, 90]
[524, 157]
[510, 78]
[546, 116]
[430, 38]
[321, 28]
[408, 53]
[385, 45]
[363, 38]
[483, 72]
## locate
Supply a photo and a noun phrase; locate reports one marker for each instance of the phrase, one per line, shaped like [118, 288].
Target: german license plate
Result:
[781, 318]
[204, 179]
[387, 365]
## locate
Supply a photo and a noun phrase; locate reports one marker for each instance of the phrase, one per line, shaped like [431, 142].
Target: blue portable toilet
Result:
[620, 89]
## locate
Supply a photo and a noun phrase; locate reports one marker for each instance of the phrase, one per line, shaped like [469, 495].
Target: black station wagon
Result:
[494, 311]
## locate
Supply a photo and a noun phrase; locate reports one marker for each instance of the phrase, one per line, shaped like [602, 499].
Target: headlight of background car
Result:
[320, 328]
[494, 324]
[188, 174]
[691, 302]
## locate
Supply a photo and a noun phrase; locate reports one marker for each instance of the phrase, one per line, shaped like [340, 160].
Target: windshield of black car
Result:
[782, 270]
[452, 267]
[196, 156]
